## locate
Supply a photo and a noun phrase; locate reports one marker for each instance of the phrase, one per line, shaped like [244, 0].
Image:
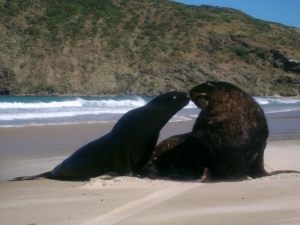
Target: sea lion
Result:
[231, 128]
[227, 141]
[177, 157]
[167, 145]
[126, 148]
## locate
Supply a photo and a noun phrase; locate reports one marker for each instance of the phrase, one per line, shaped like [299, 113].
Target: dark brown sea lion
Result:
[127, 148]
[227, 141]
[231, 128]
[183, 161]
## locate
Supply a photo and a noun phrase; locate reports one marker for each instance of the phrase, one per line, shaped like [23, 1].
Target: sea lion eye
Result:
[210, 84]
[174, 98]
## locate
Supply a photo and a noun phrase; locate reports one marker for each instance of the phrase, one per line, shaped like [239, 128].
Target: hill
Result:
[113, 47]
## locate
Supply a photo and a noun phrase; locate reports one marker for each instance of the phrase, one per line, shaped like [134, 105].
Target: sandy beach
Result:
[129, 200]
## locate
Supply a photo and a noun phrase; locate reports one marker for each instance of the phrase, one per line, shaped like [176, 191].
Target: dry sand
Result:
[127, 200]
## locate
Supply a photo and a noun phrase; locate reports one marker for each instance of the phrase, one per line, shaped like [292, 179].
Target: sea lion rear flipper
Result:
[281, 171]
[258, 169]
[36, 177]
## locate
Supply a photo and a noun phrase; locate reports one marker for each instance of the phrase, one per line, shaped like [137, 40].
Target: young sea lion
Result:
[126, 148]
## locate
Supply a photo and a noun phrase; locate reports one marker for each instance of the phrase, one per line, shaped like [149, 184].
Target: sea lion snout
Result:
[183, 97]
[201, 99]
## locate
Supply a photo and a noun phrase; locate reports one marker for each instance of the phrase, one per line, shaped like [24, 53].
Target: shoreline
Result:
[49, 137]
[125, 95]
[80, 111]
[273, 123]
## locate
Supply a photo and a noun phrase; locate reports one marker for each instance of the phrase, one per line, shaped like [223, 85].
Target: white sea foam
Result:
[264, 101]
[36, 111]
[55, 123]
[191, 105]
[194, 116]
[261, 101]
[282, 110]
[177, 118]
[137, 102]
[37, 105]
[26, 116]
[288, 101]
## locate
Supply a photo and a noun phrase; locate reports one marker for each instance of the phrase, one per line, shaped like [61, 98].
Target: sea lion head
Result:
[201, 94]
[213, 94]
[171, 100]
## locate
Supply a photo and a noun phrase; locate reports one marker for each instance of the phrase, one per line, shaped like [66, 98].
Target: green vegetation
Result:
[74, 44]
[240, 52]
[50, 89]
[248, 60]
[39, 88]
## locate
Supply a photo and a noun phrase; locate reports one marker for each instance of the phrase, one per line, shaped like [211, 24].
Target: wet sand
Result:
[128, 200]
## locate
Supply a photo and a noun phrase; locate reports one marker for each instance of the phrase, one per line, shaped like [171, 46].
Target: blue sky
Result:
[285, 12]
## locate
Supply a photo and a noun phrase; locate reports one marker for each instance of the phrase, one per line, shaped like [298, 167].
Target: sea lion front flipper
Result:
[258, 167]
[205, 178]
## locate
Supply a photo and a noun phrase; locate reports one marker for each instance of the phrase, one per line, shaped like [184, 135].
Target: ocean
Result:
[22, 111]
[38, 111]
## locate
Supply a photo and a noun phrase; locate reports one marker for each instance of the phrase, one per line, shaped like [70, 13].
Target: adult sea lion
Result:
[126, 148]
[231, 128]
[227, 141]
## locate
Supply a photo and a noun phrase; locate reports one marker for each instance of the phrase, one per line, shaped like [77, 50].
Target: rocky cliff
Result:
[145, 47]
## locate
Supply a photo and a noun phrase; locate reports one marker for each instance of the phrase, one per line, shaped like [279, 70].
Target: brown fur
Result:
[231, 128]
[167, 145]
